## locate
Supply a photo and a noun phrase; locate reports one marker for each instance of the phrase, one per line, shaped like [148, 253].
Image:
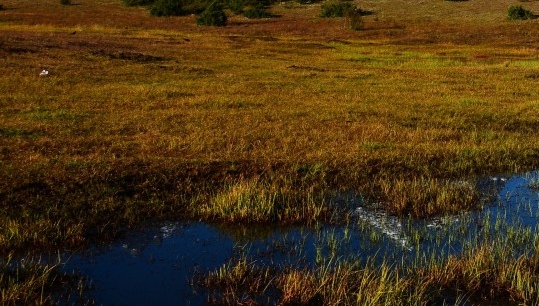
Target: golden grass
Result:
[420, 197]
[30, 281]
[253, 201]
[141, 117]
[155, 118]
[489, 273]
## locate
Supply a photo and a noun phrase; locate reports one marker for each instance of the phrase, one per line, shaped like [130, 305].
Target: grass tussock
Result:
[32, 281]
[484, 275]
[329, 284]
[255, 201]
[422, 197]
[343, 284]
[488, 273]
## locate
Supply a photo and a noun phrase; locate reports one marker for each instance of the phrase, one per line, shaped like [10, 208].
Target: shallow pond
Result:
[157, 265]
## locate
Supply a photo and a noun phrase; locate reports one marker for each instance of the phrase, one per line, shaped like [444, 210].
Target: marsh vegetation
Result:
[263, 121]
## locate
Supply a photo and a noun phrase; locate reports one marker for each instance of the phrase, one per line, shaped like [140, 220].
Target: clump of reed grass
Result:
[424, 197]
[487, 273]
[237, 282]
[22, 233]
[344, 284]
[33, 281]
[331, 283]
[253, 200]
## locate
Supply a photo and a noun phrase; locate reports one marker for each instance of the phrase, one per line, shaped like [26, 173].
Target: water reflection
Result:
[156, 266]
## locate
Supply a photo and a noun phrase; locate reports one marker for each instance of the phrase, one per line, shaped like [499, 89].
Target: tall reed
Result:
[254, 201]
[421, 197]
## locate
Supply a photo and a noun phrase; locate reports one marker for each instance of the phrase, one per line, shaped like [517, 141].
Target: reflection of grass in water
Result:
[497, 270]
[534, 183]
[496, 262]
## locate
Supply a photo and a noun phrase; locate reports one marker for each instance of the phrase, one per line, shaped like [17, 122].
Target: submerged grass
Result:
[34, 281]
[422, 197]
[487, 273]
[468, 259]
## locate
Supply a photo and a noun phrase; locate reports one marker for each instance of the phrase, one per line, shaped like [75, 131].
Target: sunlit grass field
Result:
[143, 118]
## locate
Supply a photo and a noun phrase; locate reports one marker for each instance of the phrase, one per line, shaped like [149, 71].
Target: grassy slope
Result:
[140, 115]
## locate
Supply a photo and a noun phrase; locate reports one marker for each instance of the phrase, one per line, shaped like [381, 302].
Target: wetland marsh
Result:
[337, 148]
[171, 263]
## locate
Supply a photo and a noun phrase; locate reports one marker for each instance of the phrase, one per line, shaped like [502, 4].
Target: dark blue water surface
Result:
[156, 266]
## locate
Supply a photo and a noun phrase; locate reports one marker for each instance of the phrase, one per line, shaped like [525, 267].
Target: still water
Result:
[156, 266]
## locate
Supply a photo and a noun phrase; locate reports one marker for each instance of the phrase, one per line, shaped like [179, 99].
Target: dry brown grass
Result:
[488, 274]
[145, 117]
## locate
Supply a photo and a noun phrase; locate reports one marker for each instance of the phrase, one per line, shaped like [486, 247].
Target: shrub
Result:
[213, 15]
[167, 8]
[138, 2]
[338, 9]
[354, 19]
[195, 6]
[255, 8]
[259, 11]
[236, 6]
[1, 7]
[65, 2]
[517, 12]
[352, 13]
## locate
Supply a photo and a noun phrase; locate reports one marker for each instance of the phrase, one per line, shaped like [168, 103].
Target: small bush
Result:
[167, 8]
[255, 8]
[259, 11]
[138, 2]
[338, 9]
[65, 2]
[517, 12]
[213, 15]
[195, 6]
[354, 19]
[1, 7]
[236, 6]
